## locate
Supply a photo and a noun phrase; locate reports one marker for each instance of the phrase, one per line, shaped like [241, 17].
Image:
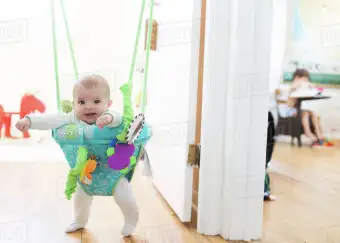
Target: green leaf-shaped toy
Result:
[71, 182]
[126, 90]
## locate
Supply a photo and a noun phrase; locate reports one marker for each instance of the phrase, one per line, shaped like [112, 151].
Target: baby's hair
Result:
[301, 73]
[93, 81]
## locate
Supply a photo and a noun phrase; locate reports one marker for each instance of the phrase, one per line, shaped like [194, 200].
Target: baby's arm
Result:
[44, 121]
[110, 118]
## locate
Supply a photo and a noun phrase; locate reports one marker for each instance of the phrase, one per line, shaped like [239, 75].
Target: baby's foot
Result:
[128, 229]
[73, 227]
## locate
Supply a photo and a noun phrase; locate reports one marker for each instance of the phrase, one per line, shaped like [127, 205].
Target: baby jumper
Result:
[81, 142]
[97, 141]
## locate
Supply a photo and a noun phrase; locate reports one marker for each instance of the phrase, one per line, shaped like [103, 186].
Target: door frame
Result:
[199, 99]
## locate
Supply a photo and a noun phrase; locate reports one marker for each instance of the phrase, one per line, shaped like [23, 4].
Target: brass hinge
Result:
[194, 155]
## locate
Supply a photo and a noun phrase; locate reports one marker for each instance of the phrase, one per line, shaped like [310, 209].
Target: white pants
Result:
[123, 196]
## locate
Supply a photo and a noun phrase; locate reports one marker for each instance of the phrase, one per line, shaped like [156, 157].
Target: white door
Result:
[171, 103]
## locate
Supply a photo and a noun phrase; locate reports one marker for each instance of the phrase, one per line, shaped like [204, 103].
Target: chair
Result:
[290, 126]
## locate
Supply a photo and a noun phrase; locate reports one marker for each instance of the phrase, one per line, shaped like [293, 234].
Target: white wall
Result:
[26, 66]
[103, 33]
[318, 22]
[279, 37]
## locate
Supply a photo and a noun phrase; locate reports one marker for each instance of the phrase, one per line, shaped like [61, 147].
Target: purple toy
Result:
[121, 158]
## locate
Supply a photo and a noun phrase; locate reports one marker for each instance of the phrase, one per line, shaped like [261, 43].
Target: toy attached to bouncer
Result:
[120, 152]
[86, 173]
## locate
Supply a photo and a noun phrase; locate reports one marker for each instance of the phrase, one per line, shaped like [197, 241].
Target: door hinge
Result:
[194, 155]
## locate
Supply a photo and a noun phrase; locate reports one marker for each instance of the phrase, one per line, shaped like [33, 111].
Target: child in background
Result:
[301, 81]
[91, 106]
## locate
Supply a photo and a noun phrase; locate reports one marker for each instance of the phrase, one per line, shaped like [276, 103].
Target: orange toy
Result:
[327, 143]
[86, 175]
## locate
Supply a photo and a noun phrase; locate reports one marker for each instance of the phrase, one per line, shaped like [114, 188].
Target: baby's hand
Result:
[23, 125]
[104, 120]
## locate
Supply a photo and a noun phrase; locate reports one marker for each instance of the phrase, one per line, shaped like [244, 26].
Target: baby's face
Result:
[90, 103]
[301, 79]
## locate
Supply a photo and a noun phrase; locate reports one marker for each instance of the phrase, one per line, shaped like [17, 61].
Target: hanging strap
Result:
[55, 49]
[148, 47]
[135, 50]
[72, 53]
[69, 40]
[55, 55]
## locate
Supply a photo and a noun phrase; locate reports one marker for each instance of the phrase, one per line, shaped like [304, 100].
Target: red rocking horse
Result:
[29, 104]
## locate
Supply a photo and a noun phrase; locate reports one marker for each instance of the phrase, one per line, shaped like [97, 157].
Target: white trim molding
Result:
[234, 124]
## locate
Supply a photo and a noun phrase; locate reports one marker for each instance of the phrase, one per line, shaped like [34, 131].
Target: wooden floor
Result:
[306, 182]
[34, 210]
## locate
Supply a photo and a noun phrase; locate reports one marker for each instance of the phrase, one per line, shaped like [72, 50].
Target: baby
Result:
[91, 102]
